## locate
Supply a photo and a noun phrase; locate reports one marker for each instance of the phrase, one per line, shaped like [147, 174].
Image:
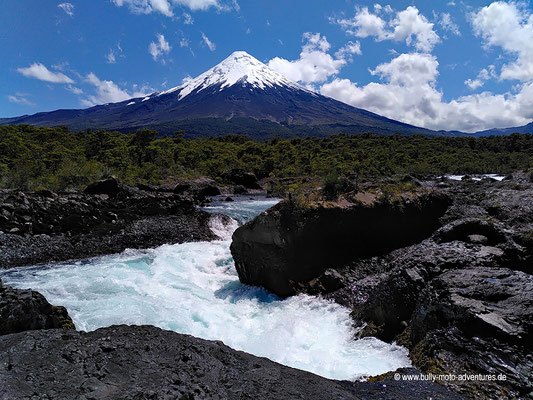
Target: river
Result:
[193, 288]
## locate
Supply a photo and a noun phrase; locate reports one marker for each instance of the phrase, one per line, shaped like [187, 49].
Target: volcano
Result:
[240, 95]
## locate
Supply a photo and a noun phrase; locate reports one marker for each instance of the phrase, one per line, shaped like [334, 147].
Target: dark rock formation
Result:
[198, 189]
[23, 310]
[461, 299]
[45, 226]
[110, 186]
[144, 362]
[290, 244]
[242, 178]
[477, 320]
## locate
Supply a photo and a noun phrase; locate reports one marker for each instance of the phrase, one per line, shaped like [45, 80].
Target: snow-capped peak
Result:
[239, 67]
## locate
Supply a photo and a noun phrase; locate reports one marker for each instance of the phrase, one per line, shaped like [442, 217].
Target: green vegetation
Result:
[333, 185]
[54, 158]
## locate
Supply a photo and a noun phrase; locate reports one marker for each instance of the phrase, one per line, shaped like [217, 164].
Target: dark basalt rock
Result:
[144, 362]
[288, 245]
[45, 226]
[23, 310]
[239, 189]
[477, 321]
[390, 296]
[460, 298]
[198, 189]
[242, 178]
[111, 187]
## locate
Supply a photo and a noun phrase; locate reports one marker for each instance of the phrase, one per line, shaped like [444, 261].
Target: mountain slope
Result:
[239, 95]
[506, 131]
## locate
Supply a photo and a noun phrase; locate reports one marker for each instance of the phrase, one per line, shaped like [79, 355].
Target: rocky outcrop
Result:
[477, 320]
[23, 310]
[144, 362]
[107, 218]
[459, 306]
[461, 299]
[239, 177]
[198, 189]
[111, 187]
[289, 244]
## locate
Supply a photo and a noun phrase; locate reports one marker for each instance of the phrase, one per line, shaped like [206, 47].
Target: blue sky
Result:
[442, 65]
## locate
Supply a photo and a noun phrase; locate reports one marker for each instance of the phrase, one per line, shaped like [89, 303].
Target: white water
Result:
[193, 288]
[476, 178]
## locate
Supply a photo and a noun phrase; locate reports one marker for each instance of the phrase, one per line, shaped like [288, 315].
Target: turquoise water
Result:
[193, 288]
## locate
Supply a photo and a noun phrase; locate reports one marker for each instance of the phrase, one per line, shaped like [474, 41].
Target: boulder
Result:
[23, 310]
[243, 178]
[198, 188]
[239, 189]
[111, 187]
[290, 244]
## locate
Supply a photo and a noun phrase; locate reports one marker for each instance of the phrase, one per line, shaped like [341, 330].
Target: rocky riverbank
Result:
[459, 294]
[144, 362]
[108, 217]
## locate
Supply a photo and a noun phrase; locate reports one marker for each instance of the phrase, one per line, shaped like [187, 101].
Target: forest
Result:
[33, 158]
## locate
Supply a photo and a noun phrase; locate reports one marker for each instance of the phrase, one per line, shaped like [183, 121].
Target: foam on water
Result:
[476, 178]
[193, 288]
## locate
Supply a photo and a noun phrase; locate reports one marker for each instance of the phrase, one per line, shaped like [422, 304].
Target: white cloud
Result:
[109, 92]
[146, 6]
[60, 66]
[407, 92]
[162, 6]
[509, 26]
[446, 22]
[409, 70]
[39, 71]
[364, 24]
[159, 48]
[187, 19]
[407, 25]
[315, 63]
[74, 89]
[348, 50]
[165, 7]
[68, 8]
[410, 25]
[110, 57]
[19, 99]
[198, 4]
[483, 76]
[209, 43]
[114, 53]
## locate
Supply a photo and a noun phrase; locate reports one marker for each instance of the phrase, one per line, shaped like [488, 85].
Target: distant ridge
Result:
[506, 131]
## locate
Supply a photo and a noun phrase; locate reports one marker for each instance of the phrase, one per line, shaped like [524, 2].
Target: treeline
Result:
[55, 158]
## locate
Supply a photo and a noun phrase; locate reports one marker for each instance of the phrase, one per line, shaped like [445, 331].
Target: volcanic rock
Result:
[144, 362]
[23, 310]
[289, 244]
[42, 227]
